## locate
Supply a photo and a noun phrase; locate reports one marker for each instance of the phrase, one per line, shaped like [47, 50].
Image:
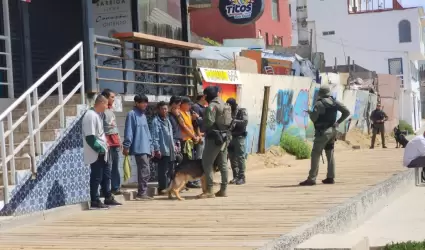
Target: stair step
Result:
[45, 135]
[19, 176]
[23, 127]
[26, 148]
[21, 163]
[54, 101]
[69, 110]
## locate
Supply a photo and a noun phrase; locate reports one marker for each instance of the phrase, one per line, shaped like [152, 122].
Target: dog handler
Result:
[217, 120]
[324, 118]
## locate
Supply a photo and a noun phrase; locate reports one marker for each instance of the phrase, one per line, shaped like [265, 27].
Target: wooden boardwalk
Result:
[270, 205]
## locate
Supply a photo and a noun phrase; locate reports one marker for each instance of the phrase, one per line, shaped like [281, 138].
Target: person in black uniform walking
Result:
[378, 118]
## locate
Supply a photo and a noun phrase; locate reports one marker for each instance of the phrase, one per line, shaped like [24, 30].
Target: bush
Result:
[410, 245]
[295, 146]
[406, 126]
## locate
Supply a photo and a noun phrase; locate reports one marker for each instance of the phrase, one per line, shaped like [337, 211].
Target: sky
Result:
[412, 3]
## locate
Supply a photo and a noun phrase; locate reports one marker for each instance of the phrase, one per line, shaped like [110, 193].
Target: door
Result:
[56, 26]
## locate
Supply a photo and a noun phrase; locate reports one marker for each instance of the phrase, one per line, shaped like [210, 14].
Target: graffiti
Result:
[271, 121]
[284, 114]
[301, 117]
[315, 94]
[357, 107]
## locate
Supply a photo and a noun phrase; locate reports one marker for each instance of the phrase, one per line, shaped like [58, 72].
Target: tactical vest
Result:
[239, 130]
[328, 119]
[223, 115]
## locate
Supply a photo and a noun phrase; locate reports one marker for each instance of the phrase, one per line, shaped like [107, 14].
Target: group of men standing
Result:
[208, 129]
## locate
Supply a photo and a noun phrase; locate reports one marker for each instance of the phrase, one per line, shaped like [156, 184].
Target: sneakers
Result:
[233, 181]
[240, 181]
[112, 202]
[98, 205]
[193, 185]
[117, 192]
[307, 182]
[328, 181]
[143, 198]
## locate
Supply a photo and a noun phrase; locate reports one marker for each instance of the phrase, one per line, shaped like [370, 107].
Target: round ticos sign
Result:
[241, 11]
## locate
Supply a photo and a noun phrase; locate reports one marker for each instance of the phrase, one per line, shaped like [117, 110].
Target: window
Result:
[404, 31]
[328, 33]
[275, 10]
[395, 67]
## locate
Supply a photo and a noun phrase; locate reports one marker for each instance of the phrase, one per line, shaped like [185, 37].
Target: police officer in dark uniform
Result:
[378, 118]
[324, 116]
[236, 148]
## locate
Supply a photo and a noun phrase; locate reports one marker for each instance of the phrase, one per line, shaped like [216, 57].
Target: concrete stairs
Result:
[48, 134]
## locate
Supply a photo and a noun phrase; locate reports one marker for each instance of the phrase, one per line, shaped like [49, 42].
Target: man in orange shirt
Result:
[189, 135]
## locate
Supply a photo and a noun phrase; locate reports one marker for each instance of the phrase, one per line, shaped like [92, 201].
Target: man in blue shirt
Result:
[138, 142]
[163, 145]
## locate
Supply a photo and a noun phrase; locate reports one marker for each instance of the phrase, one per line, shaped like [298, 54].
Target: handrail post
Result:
[60, 95]
[83, 91]
[37, 124]
[31, 134]
[4, 165]
[11, 148]
[8, 47]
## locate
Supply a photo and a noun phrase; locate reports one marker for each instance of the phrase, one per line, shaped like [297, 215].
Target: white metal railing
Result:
[34, 123]
[8, 50]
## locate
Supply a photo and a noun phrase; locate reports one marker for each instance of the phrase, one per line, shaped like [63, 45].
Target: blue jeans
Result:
[100, 174]
[113, 160]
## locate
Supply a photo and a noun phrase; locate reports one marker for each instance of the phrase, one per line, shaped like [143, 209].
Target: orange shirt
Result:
[188, 122]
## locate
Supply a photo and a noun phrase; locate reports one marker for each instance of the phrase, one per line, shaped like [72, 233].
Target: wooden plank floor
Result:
[269, 205]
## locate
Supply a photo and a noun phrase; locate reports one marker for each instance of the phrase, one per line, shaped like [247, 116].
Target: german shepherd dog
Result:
[188, 170]
[400, 137]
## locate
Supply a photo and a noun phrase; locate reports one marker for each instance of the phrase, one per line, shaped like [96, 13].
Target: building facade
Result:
[385, 39]
[274, 26]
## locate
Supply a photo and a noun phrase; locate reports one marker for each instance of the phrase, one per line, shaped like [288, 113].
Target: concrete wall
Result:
[389, 91]
[289, 97]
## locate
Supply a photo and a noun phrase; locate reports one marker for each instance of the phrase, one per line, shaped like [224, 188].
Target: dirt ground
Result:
[276, 157]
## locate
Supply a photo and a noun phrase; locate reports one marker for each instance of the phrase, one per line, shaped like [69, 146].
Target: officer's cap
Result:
[211, 91]
[324, 90]
[231, 101]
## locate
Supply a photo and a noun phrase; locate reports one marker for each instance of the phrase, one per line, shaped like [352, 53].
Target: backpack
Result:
[224, 117]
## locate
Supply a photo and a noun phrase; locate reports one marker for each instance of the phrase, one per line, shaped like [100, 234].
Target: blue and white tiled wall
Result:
[62, 177]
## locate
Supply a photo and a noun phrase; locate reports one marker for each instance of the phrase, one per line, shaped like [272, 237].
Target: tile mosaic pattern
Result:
[62, 177]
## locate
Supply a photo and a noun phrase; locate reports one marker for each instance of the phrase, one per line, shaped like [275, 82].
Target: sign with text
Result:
[110, 17]
[220, 76]
[241, 11]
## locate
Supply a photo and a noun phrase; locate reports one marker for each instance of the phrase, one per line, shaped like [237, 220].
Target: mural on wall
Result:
[227, 90]
[289, 98]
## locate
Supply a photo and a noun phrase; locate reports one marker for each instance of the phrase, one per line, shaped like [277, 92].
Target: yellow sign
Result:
[220, 75]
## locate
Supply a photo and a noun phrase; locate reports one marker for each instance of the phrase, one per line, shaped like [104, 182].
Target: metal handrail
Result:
[8, 48]
[32, 115]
